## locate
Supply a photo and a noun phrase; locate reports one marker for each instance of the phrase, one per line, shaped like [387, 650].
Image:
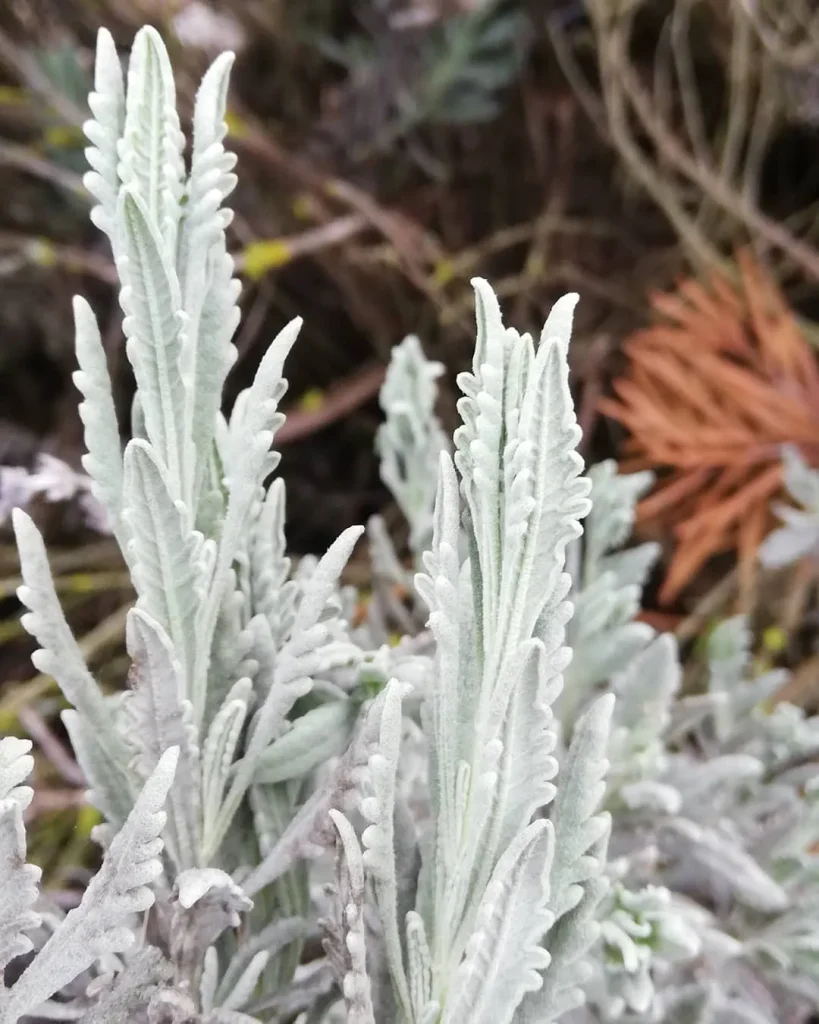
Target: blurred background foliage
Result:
[657, 156]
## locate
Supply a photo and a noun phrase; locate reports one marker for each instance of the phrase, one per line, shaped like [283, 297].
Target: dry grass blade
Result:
[714, 388]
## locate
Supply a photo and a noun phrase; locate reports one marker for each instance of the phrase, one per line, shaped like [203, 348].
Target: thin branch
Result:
[56, 754]
[43, 252]
[316, 239]
[709, 181]
[416, 248]
[27, 70]
[722, 181]
[339, 401]
[22, 157]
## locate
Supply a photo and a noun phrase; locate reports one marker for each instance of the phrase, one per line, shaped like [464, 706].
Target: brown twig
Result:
[22, 158]
[709, 605]
[416, 248]
[340, 399]
[705, 182]
[56, 754]
[46, 801]
[44, 252]
[796, 55]
[315, 240]
[591, 376]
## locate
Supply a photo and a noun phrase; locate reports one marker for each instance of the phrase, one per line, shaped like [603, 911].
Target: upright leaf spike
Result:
[107, 103]
[154, 325]
[150, 150]
[498, 621]
[159, 717]
[103, 461]
[209, 291]
[221, 652]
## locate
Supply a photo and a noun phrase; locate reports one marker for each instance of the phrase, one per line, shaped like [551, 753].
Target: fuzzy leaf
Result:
[206, 902]
[526, 765]
[523, 497]
[107, 103]
[351, 948]
[16, 764]
[569, 941]
[154, 326]
[577, 826]
[271, 940]
[313, 738]
[59, 654]
[150, 151]
[576, 885]
[120, 888]
[277, 703]
[243, 991]
[322, 583]
[217, 757]
[607, 588]
[132, 989]
[247, 461]
[410, 439]
[377, 839]
[307, 832]
[169, 561]
[727, 865]
[642, 713]
[729, 654]
[159, 717]
[110, 788]
[209, 291]
[103, 463]
[608, 526]
[210, 182]
[503, 958]
[19, 882]
[269, 564]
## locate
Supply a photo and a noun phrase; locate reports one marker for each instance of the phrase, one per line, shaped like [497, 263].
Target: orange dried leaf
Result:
[713, 390]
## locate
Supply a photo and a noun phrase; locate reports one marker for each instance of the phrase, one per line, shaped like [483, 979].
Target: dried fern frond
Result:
[714, 388]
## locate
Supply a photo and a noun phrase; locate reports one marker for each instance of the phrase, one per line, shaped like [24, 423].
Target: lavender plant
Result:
[238, 665]
[707, 900]
[518, 837]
